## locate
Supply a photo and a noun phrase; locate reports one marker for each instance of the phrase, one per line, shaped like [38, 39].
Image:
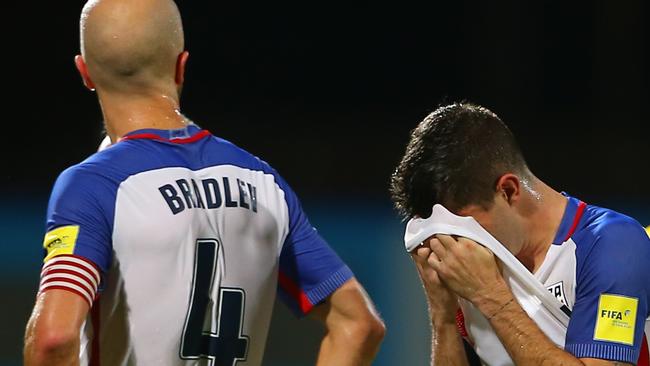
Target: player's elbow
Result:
[366, 331]
[372, 330]
[43, 344]
[54, 342]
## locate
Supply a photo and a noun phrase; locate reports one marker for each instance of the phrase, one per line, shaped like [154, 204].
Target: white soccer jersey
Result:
[598, 267]
[179, 241]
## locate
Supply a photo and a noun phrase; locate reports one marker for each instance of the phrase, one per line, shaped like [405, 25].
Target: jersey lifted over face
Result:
[598, 268]
[179, 241]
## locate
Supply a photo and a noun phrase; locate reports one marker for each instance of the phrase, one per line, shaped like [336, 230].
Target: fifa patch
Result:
[616, 319]
[60, 241]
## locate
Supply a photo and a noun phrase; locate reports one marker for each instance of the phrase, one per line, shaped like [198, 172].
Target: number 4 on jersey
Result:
[227, 345]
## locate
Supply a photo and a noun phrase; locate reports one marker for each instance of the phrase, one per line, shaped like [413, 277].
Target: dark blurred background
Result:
[327, 92]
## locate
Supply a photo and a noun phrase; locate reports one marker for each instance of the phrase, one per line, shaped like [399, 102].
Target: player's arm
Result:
[470, 270]
[524, 341]
[522, 338]
[446, 343]
[52, 335]
[78, 252]
[312, 278]
[353, 329]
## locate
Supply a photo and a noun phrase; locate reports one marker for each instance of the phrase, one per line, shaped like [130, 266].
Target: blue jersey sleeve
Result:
[310, 270]
[612, 293]
[79, 217]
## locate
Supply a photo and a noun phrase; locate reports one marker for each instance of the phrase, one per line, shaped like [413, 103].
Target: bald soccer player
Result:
[168, 247]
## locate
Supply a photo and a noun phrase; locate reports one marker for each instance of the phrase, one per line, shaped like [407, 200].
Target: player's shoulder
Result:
[98, 166]
[225, 152]
[228, 152]
[82, 178]
[612, 232]
[605, 223]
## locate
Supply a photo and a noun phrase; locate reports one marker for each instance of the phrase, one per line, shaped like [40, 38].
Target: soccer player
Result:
[594, 260]
[168, 247]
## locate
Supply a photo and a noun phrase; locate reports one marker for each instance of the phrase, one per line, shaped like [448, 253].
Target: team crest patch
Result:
[616, 319]
[557, 290]
[60, 241]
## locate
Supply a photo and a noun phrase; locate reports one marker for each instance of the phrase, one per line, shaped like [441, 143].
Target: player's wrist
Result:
[492, 302]
[443, 324]
[442, 317]
[443, 314]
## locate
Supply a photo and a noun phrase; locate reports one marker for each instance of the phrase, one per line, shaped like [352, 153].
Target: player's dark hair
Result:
[455, 157]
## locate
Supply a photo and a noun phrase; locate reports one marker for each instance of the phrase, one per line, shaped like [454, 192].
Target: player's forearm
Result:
[446, 344]
[350, 347]
[522, 338]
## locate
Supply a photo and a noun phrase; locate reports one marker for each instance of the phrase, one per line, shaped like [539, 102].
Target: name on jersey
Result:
[209, 193]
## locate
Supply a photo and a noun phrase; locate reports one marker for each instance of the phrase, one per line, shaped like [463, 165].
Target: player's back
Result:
[189, 236]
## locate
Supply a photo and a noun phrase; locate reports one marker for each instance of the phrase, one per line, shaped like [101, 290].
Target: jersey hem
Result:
[327, 287]
[603, 351]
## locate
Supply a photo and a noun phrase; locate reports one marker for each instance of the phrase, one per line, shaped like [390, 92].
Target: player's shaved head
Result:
[131, 46]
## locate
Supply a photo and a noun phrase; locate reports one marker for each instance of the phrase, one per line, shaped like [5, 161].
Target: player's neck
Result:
[124, 114]
[543, 225]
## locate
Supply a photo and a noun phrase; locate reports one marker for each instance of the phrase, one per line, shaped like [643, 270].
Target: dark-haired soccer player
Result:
[596, 261]
[168, 247]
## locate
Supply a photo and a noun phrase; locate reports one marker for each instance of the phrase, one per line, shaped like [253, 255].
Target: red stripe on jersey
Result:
[88, 291]
[80, 273]
[152, 136]
[63, 259]
[94, 317]
[77, 257]
[296, 292]
[644, 357]
[84, 276]
[460, 324]
[576, 220]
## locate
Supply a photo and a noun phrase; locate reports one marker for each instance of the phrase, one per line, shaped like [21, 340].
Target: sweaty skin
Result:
[125, 53]
[469, 270]
[132, 54]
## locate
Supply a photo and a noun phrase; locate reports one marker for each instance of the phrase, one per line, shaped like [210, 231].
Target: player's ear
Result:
[83, 71]
[509, 186]
[180, 67]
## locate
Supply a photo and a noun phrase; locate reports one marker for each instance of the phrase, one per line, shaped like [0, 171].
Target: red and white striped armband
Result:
[71, 273]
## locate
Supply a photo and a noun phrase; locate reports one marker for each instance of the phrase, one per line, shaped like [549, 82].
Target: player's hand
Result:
[443, 303]
[464, 266]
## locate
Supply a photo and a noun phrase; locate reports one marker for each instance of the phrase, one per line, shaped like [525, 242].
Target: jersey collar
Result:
[570, 220]
[187, 134]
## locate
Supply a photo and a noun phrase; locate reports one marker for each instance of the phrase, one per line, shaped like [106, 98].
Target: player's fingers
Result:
[421, 253]
[447, 241]
[465, 241]
[420, 258]
[433, 260]
[419, 263]
[438, 248]
[469, 244]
